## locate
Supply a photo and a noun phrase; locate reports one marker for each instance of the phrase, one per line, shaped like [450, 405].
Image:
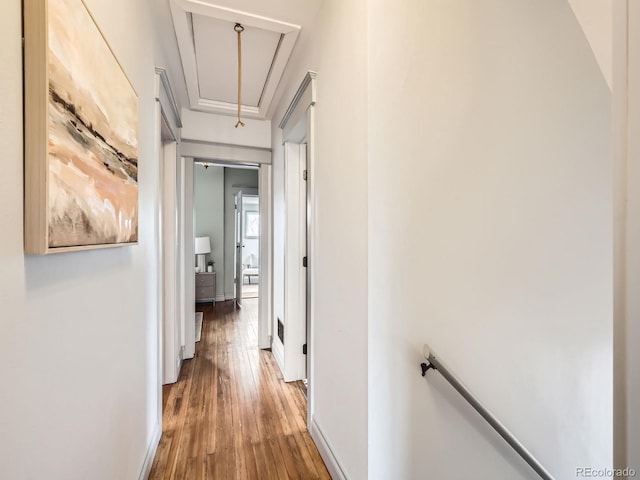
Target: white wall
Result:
[78, 331]
[494, 117]
[335, 48]
[233, 177]
[209, 127]
[208, 205]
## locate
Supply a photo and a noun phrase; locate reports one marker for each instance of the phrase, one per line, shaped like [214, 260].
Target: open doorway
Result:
[231, 230]
[233, 165]
[248, 222]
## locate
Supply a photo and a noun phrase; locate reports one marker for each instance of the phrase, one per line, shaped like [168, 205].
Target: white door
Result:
[295, 275]
[306, 241]
[239, 248]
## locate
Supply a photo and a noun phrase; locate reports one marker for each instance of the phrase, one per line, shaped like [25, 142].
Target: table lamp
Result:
[203, 246]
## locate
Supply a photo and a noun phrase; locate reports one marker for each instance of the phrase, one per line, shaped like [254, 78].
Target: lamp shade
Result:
[203, 245]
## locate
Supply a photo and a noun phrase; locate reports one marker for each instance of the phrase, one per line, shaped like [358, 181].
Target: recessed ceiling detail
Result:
[208, 48]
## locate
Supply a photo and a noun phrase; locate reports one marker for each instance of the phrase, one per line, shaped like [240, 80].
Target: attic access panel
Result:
[216, 60]
[208, 50]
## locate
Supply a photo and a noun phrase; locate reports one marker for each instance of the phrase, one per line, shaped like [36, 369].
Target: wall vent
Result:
[280, 330]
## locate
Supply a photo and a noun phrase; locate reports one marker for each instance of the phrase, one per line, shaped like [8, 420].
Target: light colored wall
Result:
[494, 118]
[240, 177]
[335, 48]
[209, 216]
[209, 127]
[78, 331]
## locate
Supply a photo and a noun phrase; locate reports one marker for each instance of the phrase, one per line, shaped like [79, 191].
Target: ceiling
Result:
[205, 44]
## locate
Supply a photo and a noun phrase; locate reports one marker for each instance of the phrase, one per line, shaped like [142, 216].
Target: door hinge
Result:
[304, 349]
[304, 262]
[304, 175]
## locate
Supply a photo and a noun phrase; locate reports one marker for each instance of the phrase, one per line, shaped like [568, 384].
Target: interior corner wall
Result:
[78, 331]
[490, 238]
[208, 206]
[233, 177]
[335, 48]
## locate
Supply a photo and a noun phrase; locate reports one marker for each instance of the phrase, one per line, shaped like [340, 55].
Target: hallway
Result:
[230, 415]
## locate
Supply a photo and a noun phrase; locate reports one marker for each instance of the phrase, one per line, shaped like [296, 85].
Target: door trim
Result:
[231, 155]
[298, 125]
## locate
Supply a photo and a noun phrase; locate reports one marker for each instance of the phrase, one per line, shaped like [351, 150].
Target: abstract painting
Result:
[91, 123]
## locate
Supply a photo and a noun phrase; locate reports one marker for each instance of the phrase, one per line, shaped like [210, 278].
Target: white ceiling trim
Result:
[225, 153]
[302, 100]
[165, 95]
[181, 11]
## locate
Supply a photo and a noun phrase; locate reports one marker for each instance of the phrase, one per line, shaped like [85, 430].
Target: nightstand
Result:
[206, 287]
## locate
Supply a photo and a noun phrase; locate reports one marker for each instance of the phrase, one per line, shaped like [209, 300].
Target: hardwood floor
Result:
[230, 415]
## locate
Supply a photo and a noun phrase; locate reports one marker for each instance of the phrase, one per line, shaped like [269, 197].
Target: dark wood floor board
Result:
[231, 415]
[173, 425]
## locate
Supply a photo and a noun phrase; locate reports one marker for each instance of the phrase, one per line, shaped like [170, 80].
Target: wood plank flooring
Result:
[230, 415]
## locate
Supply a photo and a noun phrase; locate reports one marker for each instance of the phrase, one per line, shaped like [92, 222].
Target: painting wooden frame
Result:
[81, 134]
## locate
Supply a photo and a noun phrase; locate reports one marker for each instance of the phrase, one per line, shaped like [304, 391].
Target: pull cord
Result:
[239, 29]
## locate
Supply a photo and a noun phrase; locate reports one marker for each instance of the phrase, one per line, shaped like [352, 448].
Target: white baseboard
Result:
[221, 297]
[278, 352]
[326, 452]
[229, 296]
[264, 342]
[151, 453]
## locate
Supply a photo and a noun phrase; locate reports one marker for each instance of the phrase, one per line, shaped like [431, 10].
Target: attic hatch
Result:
[208, 51]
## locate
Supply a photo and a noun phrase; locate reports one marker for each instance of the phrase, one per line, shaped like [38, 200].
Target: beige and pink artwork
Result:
[93, 135]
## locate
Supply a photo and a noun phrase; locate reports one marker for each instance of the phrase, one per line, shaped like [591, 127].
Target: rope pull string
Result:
[239, 29]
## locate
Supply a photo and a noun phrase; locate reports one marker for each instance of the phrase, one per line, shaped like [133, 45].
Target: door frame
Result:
[238, 156]
[187, 272]
[168, 126]
[298, 126]
[165, 112]
[239, 237]
[169, 299]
